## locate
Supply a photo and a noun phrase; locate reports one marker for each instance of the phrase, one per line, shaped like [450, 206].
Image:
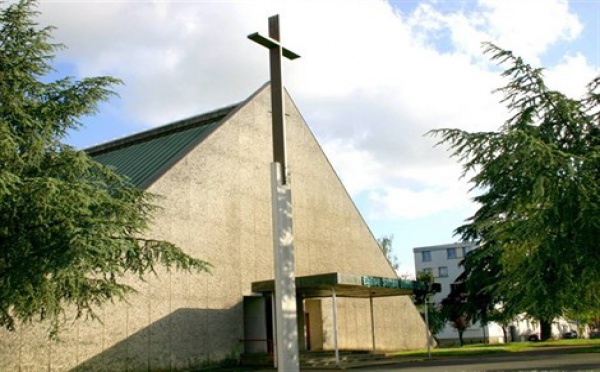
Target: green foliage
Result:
[70, 228]
[484, 303]
[540, 192]
[419, 297]
[385, 243]
[455, 309]
[590, 317]
[435, 317]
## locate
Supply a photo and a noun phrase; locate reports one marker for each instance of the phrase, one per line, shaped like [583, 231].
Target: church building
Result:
[212, 175]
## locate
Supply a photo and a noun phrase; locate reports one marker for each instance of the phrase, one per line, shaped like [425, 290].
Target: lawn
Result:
[579, 346]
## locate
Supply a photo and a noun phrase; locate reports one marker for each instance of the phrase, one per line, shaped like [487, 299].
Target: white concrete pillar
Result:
[285, 277]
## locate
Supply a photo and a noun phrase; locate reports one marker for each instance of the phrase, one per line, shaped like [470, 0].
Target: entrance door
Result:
[258, 325]
[314, 324]
[269, 323]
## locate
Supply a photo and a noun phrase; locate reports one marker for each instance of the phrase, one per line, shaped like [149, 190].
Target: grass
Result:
[580, 346]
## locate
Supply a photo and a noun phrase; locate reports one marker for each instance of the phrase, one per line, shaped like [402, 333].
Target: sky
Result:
[373, 78]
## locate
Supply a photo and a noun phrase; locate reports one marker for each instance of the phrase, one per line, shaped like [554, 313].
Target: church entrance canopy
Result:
[346, 285]
[335, 285]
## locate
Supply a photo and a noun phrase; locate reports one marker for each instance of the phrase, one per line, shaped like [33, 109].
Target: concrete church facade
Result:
[212, 173]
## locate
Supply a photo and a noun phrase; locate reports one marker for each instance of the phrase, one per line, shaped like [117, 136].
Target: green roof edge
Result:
[176, 126]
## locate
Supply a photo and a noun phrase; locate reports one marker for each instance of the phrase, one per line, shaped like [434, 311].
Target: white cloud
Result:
[358, 169]
[530, 27]
[571, 75]
[525, 27]
[404, 203]
[371, 80]
[422, 192]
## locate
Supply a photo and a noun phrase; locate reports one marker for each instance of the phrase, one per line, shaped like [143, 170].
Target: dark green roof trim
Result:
[345, 285]
[179, 125]
[146, 156]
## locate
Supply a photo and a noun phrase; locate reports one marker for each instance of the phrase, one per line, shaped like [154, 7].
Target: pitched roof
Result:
[145, 156]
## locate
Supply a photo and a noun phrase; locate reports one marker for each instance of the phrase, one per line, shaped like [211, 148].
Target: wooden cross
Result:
[276, 50]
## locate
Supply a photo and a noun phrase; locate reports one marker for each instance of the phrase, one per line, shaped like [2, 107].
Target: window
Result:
[443, 271]
[426, 256]
[451, 252]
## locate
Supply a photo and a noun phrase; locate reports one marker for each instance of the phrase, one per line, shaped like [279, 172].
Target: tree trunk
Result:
[484, 335]
[460, 338]
[505, 332]
[546, 329]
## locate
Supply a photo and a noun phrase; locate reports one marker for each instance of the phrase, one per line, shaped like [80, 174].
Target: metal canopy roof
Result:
[345, 285]
[145, 156]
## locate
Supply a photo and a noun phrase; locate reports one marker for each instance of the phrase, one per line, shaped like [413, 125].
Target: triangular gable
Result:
[146, 157]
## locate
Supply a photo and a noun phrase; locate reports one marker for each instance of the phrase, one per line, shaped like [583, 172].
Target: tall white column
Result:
[285, 278]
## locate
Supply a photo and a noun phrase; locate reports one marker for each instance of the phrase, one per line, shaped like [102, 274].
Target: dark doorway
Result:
[258, 325]
[269, 321]
[307, 330]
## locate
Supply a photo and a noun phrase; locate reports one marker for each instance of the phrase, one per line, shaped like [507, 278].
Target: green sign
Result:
[377, 282]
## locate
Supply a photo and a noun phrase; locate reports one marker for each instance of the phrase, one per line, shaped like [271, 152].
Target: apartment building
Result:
[442, 262]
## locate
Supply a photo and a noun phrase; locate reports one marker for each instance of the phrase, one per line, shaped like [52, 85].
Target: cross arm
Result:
[269, 43]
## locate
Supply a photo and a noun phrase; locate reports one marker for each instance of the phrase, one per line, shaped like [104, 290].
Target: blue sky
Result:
[374, 77]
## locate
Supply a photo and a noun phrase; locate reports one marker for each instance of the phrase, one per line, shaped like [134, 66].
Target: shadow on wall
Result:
[183, 339]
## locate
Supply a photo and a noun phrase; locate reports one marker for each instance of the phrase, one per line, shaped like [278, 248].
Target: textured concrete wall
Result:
[217, 207]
